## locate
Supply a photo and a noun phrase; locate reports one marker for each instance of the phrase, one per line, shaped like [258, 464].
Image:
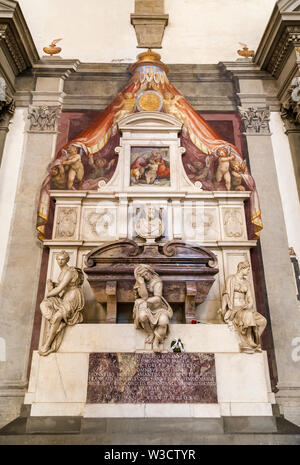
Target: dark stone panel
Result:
[250, 424]
[152, 378]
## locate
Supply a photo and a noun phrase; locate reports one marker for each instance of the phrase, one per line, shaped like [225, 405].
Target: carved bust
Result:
[151, 226]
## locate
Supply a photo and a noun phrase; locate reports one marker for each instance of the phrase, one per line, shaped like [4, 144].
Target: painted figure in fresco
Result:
[58, 178]
[238, 311]
[200, 170]
[163, 170]
[100, 167]
[151, 170]
[223, 170]
[237, 170]
[172, 106]
[63, 303]
[127, 105]
[151, 311]
[76, 168]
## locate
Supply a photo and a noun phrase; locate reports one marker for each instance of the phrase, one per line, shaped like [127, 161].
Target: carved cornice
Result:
[15, 39]
[281, 36]
[44, 118]
[255, 120]
[8, 40]
[289, 39]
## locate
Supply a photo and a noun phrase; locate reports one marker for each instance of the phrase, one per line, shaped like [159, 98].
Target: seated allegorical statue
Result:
[151, 311]
[238, 311]
[63, 303]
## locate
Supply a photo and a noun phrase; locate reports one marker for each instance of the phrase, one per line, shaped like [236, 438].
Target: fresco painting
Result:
[149, 166]
[90, 157]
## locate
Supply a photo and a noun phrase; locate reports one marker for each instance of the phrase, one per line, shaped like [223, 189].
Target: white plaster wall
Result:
[10, 167]
[287, 182]
[199, 31]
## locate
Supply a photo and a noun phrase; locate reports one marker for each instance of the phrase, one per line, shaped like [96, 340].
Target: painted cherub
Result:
[237, 169]
[127, 105]
[223, 170]
[172, 105]
[76, 168]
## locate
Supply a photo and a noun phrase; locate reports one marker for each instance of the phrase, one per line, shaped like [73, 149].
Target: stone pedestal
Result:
[70, 375]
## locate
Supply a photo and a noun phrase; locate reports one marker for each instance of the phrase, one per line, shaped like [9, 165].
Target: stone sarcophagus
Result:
[187, 272]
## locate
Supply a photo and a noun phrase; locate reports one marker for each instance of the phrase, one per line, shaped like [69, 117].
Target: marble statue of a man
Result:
[63, 303]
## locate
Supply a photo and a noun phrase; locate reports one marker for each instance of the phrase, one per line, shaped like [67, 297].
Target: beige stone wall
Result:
[199, 31]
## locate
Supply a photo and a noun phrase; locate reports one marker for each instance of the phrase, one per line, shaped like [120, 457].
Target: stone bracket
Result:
[149, 29]
[111, 292]
[190, 303]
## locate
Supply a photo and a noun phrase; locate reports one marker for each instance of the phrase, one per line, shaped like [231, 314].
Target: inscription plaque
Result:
[152, 378]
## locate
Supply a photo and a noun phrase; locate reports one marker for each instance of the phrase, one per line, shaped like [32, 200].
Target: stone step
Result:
[152, 431]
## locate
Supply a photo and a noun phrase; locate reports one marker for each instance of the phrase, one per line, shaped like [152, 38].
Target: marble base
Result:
[59, 382]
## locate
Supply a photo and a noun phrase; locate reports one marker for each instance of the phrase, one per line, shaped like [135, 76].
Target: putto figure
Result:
[151, 311]
[63, 303]
[238, 311]
[224, 155]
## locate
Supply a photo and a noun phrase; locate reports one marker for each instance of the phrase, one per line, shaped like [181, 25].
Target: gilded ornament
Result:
[52, 49]
[245, 53]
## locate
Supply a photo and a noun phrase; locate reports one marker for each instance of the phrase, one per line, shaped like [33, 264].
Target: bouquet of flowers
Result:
[176, 346]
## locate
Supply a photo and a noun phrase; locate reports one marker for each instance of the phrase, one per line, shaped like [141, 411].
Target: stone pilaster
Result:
[24, 251]
[17, 53]
[284, 312]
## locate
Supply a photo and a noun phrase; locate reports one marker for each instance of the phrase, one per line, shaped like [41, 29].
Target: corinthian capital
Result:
[255, 120]
[44, 118]
[290, 108]
[7, 103]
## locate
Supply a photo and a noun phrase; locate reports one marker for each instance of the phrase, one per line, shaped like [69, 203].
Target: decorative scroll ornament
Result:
[43, 118]
[255, 120]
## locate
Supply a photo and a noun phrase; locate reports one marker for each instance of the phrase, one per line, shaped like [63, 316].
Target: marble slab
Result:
[151, 378]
